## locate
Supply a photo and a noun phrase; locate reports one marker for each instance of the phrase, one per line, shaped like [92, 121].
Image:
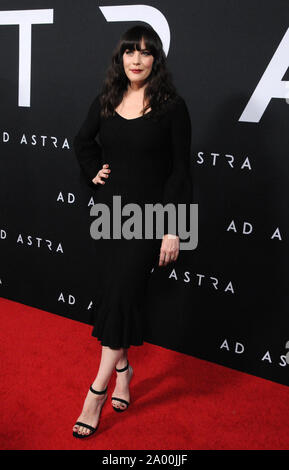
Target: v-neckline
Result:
[132, 119]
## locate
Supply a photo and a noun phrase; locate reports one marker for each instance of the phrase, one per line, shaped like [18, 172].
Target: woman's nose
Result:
[136, 59]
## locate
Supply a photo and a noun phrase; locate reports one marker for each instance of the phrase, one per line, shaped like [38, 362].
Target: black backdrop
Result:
[226, 301]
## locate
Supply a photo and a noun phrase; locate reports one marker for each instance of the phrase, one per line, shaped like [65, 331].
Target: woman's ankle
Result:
[121, 363]
[99, 386]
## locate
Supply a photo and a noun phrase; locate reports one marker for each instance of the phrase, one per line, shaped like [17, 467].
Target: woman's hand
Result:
[169, 250]
[102, 174]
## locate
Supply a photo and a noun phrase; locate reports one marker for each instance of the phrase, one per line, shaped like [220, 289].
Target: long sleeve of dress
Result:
[87, 149]
[178, 186]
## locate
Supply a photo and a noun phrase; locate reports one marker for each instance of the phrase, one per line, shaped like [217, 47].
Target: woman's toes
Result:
[119, 405]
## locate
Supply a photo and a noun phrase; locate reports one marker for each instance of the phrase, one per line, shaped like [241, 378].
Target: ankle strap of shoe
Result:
[122, 370]
[96, 392]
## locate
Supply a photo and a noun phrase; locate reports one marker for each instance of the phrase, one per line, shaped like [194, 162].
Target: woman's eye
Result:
[144, 52]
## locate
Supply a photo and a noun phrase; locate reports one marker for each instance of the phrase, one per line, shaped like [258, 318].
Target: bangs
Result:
[135, 43]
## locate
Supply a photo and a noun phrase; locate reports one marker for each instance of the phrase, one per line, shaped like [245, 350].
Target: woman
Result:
[143, 156]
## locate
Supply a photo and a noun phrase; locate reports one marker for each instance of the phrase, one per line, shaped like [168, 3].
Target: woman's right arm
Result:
[87, 149]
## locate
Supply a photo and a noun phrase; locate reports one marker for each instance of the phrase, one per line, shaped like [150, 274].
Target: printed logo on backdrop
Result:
[33, 241]
[145, 13]
[216, 158]
[246, 228]
[33, 140]
[267, 356]
[26, 18]
[271, 84]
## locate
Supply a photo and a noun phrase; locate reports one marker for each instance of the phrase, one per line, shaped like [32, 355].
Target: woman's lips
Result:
[136, 71]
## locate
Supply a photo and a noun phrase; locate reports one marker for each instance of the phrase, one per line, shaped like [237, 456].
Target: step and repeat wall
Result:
[226, 301]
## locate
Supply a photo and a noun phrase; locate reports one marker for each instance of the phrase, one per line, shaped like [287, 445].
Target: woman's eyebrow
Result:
[135, 49]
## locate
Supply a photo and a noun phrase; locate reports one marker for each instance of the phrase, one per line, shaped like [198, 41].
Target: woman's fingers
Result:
[162, 258]
[169, 250]
[103, 173]
[167, 257]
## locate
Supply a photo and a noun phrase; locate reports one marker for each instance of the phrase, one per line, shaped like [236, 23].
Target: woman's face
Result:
[138, 60]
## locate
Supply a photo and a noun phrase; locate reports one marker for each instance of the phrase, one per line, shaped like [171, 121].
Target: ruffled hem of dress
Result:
[119, 324]
[104, 343]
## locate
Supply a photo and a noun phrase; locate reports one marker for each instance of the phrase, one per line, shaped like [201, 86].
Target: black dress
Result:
[150, 162]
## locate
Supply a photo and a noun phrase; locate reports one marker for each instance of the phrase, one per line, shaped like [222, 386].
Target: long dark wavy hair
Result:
[159, 91]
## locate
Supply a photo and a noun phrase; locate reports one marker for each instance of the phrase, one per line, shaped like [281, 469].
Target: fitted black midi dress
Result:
[149, 161]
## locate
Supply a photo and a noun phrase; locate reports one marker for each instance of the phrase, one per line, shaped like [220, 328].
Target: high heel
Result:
[121, 399]
[91, 428]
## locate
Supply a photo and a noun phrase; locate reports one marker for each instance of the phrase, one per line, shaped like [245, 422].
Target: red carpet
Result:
[178, 401]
